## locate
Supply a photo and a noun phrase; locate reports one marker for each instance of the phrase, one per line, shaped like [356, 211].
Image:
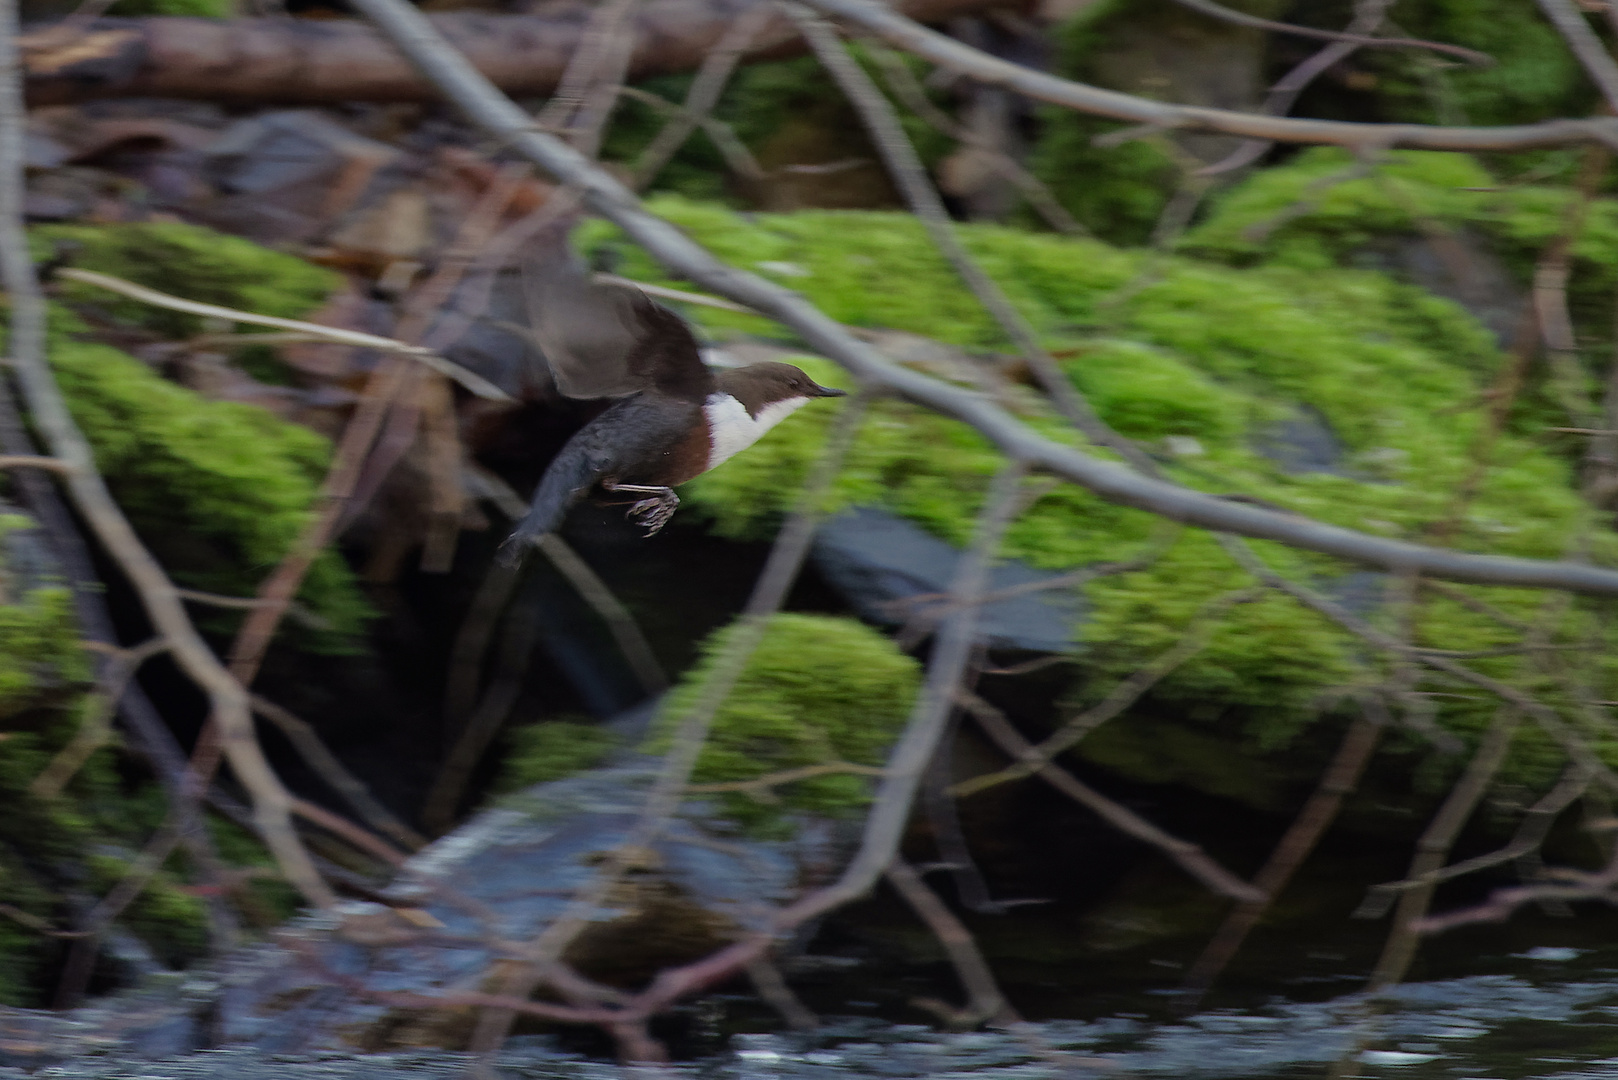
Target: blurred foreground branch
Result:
[226, 697]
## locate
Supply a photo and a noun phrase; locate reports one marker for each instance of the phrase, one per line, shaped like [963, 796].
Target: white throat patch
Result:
[731, 430]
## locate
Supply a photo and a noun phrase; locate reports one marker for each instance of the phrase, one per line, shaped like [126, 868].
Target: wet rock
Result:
[889, 570]
[503, 877]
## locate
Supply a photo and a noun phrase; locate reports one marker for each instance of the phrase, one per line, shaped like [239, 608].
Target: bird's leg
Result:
[654, 513]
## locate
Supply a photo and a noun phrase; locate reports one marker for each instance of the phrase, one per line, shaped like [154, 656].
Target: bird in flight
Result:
[672, 418]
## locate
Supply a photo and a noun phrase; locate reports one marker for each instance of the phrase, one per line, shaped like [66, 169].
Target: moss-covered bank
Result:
[816, 691]
[1212, 353]
[218, 490]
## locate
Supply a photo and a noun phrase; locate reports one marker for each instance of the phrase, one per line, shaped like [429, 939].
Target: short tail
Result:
[568, 479]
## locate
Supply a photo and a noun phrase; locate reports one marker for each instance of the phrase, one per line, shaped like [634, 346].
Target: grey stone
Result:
[888, 570]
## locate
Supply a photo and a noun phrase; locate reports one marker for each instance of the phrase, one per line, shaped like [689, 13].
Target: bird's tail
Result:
[568, 479]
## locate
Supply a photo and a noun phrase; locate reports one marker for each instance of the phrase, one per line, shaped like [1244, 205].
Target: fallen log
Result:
[260, 61]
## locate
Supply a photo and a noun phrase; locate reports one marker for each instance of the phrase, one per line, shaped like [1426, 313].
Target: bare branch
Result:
[1126, 693]
[315, 754]
[1349, 37]
[33, 461]
[1435, 843]
[985, 1002]
[908, 173]
[1368, 15]
[227, 698]
[1574, 885]
[760, 786]
[95, 726]
[1190, 857]
[473, 382]
[500, 118]
[703, 95]
[1575, 30]
[1531, 833]
[1339, 779]
[909, 90]
[947, 53]
[907, 762]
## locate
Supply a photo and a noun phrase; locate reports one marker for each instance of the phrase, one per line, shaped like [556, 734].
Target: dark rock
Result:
[504, 877]
[888, 569]
[1303, 443]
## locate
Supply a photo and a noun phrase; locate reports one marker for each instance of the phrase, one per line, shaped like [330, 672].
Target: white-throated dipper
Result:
[673, 419]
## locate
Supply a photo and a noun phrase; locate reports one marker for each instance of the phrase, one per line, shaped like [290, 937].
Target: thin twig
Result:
[1353, 36]
[1584, 44]
[95, 726]
[1339, 779]
[724, 138]
[227, 698]
[626, 632]
[1436, 842]
[1368, 15]
[503, 120]
[1122, 696]
[472, 381]
[984, 1002]
[33, 461]
[760, 786]
[907, 89]
[318, 757]
[716, 70]
[910, 176]
[907, 762]
[1531, 832]
[690, 732]
[1188, 856]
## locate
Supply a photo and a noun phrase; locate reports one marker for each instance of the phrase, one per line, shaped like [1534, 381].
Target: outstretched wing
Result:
[607, 341]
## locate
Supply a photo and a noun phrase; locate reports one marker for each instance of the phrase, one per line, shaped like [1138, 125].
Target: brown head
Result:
[762, 384]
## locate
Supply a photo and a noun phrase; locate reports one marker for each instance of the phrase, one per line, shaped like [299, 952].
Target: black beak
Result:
[827, 391]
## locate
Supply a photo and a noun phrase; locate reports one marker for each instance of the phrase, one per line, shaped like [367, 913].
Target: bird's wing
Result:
[606, 341]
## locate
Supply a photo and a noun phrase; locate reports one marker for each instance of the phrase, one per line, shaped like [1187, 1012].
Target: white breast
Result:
[731, 430]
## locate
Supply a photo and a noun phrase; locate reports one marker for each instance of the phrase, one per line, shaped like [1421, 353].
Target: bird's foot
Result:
[653, 513]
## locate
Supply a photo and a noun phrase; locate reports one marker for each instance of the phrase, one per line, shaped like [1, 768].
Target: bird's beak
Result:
[827, 391]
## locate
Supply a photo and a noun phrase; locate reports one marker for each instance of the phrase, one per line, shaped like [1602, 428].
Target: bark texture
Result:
[302, 60]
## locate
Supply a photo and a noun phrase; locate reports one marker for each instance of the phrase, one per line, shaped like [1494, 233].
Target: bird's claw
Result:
[654, 513]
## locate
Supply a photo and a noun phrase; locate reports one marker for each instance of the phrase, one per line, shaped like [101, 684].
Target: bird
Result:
[671, 418]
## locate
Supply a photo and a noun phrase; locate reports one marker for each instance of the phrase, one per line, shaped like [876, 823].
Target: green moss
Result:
[40, 657]
[208, 9]
[817, 690]
[538, 753]
[1349, 221]
[219, 490]
[781, 110]
[1212, 351]
[39, 648]
[188, 261]
[1534, 76]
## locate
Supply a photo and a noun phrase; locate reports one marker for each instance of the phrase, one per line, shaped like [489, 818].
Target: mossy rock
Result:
[1193, 348]
[817, 690]
[188, 261]
[1534, 76]
[219, 490]
[1315, 212]
[540, 753]
[49, 847]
